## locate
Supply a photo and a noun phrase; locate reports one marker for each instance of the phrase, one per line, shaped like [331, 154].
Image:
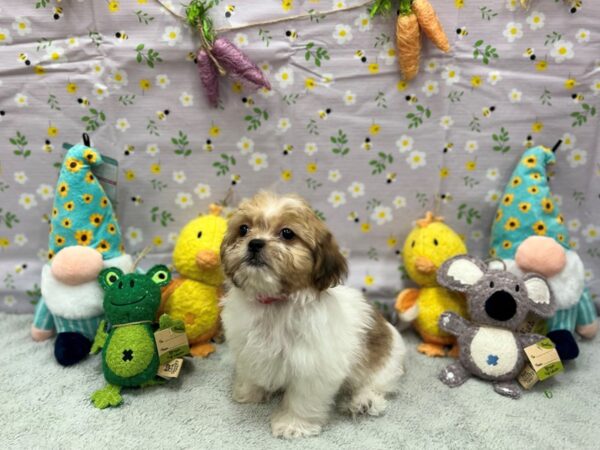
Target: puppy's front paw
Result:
[245, 392]
[289, 426]
[367, 402]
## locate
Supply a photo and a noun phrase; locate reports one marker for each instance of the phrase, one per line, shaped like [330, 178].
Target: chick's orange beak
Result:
[207, 259]
[424, 265]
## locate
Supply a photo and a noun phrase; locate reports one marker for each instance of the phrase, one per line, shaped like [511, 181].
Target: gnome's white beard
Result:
[81, 301]
[567, 285]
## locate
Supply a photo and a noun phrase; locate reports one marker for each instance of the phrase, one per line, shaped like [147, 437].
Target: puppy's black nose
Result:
[255, 245]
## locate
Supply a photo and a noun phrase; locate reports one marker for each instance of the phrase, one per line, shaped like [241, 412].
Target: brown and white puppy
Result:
[292, 328]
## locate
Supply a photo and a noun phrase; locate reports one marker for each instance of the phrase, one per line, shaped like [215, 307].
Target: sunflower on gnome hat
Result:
[84, 238]
[530, 236]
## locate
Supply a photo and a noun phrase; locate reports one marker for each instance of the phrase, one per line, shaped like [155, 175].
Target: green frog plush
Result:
[129, 354]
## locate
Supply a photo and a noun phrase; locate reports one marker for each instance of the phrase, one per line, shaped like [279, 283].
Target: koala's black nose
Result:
[255, 245]
[501, 306]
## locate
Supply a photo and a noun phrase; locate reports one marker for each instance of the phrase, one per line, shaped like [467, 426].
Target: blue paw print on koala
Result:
[492, 360]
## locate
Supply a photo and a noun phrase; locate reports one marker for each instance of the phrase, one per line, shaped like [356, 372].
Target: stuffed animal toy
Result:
[129, 354]
[84, 238]
[194, 297]
[530, 236]
[498, 302]
[427, 246]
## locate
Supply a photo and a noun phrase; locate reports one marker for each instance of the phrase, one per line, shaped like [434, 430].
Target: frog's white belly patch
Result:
[494, 351]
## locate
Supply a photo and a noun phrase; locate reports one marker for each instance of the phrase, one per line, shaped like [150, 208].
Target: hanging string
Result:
[274, 21]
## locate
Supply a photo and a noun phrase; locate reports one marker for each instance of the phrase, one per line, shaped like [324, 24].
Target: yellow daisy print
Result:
[67, 223]
[103, 246]
[516, 181]
[471, 165]
[530, 161]
[524, 207]
[373, 68]
[155, 168]
[534, 190]
[392, 242]
[145, 84]
[114, 6]
[112, 228]
[73, 165]
[512, 223]
[548, 205]
[96, 219]
[52, 131]
[310, 83]
[444, 172]
[129, 175]
[539, 228]
[508, 199]
[83, 237]
[69, 206]
[369, 280]
[286, 175]
[71, 88]
[63, 189]
[90, 155]
[104, 202]
[214, 131]
[537, 126]
[374, 129]
[287, 5]
[401, 85]
[311, 167]
[87, 198]
[365, 227]
[157, 241]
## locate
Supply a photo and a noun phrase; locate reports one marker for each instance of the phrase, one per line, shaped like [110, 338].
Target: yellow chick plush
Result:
[194, 296]
[426, 248]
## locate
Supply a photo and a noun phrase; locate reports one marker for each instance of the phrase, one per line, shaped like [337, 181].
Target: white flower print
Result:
[342, 33]
[186, 99]
[5, 37]
[536, 20]
[172, 36]
[431, 66]
[577, 158]
[416, 159]
[162, 80]
[568, 141]
[337, 198]
[122, 124]
[72, 42]
[55, 54]
[356, 189]
[471, 146]
[476, 235]
[179, 176]
[21, 177]
[284, 124]
[511, 5]
[399, 202]
[446, 122]
[20, 239]
[574, 243]
[349, 98]
[493, 197]
[574, 225]
[27, 201]
[21, 100]
[493, 77]
[595, 86]
[514, 96]
[152, 149]
[184, 200]
[285, 77]
[265, 67]
[202, 190]
[388, 54]
[100, 91]
[118, 78]
[245, 145]
[334, 175]
[241, 40]
[45, 191]
[363, 22]
[339, 4]
[513, 31]
[258, 161]
[97, 68]
[382, 214]
[492, 174]
[591, 233]
[431, 88]
[22, 26]
[310, 148]
[405, 143]
[582, 35]
[9, 300]
[562, 50]
[451, 75]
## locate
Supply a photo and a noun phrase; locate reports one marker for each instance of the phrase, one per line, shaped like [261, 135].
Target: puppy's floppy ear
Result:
[461, 273]
[541, 301]
[330, 265]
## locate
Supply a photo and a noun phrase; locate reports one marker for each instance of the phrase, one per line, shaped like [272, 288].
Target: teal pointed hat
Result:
[82, 212]
[527, 207]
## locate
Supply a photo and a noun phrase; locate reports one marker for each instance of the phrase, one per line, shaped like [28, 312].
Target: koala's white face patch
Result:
[538, 291]
[465, 271]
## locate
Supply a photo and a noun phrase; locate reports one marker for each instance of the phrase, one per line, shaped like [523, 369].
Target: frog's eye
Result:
[109, 276]
[160, 275]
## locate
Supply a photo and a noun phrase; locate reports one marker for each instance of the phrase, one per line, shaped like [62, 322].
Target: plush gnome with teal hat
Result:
[84, 239]
[530, 236]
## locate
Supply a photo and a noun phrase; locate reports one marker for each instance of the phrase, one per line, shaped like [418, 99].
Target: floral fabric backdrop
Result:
[372, 153]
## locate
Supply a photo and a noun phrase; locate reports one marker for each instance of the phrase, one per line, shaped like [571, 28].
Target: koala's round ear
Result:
[541, 301]
[461, 272]
[160, 275]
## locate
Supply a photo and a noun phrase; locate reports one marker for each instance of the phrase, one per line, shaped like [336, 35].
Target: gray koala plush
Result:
[498, 302]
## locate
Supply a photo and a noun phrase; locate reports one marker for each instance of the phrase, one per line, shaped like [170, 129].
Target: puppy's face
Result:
[277, 245]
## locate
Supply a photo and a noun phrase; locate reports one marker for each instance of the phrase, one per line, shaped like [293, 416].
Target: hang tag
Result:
[107, 174]
[171, 369]
[544, 363]
[171, 344]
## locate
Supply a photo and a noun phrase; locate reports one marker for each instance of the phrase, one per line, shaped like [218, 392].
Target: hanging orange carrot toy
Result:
[408, 41]
[430, 24]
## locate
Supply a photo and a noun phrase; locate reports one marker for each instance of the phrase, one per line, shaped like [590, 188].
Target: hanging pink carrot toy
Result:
[218, 56]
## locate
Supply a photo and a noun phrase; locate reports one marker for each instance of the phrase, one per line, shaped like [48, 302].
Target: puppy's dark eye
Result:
[244, 230]
[199, 235]
[517, 288]
[287, 234]
[435, 242]
[492, 284]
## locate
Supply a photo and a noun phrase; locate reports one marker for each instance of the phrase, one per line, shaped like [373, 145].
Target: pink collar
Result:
[270, 299]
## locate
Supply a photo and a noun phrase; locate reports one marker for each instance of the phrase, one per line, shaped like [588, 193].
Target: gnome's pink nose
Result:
[76, 265]
[541, 254]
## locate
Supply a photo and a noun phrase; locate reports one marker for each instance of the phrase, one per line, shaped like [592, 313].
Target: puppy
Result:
[291, 327]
